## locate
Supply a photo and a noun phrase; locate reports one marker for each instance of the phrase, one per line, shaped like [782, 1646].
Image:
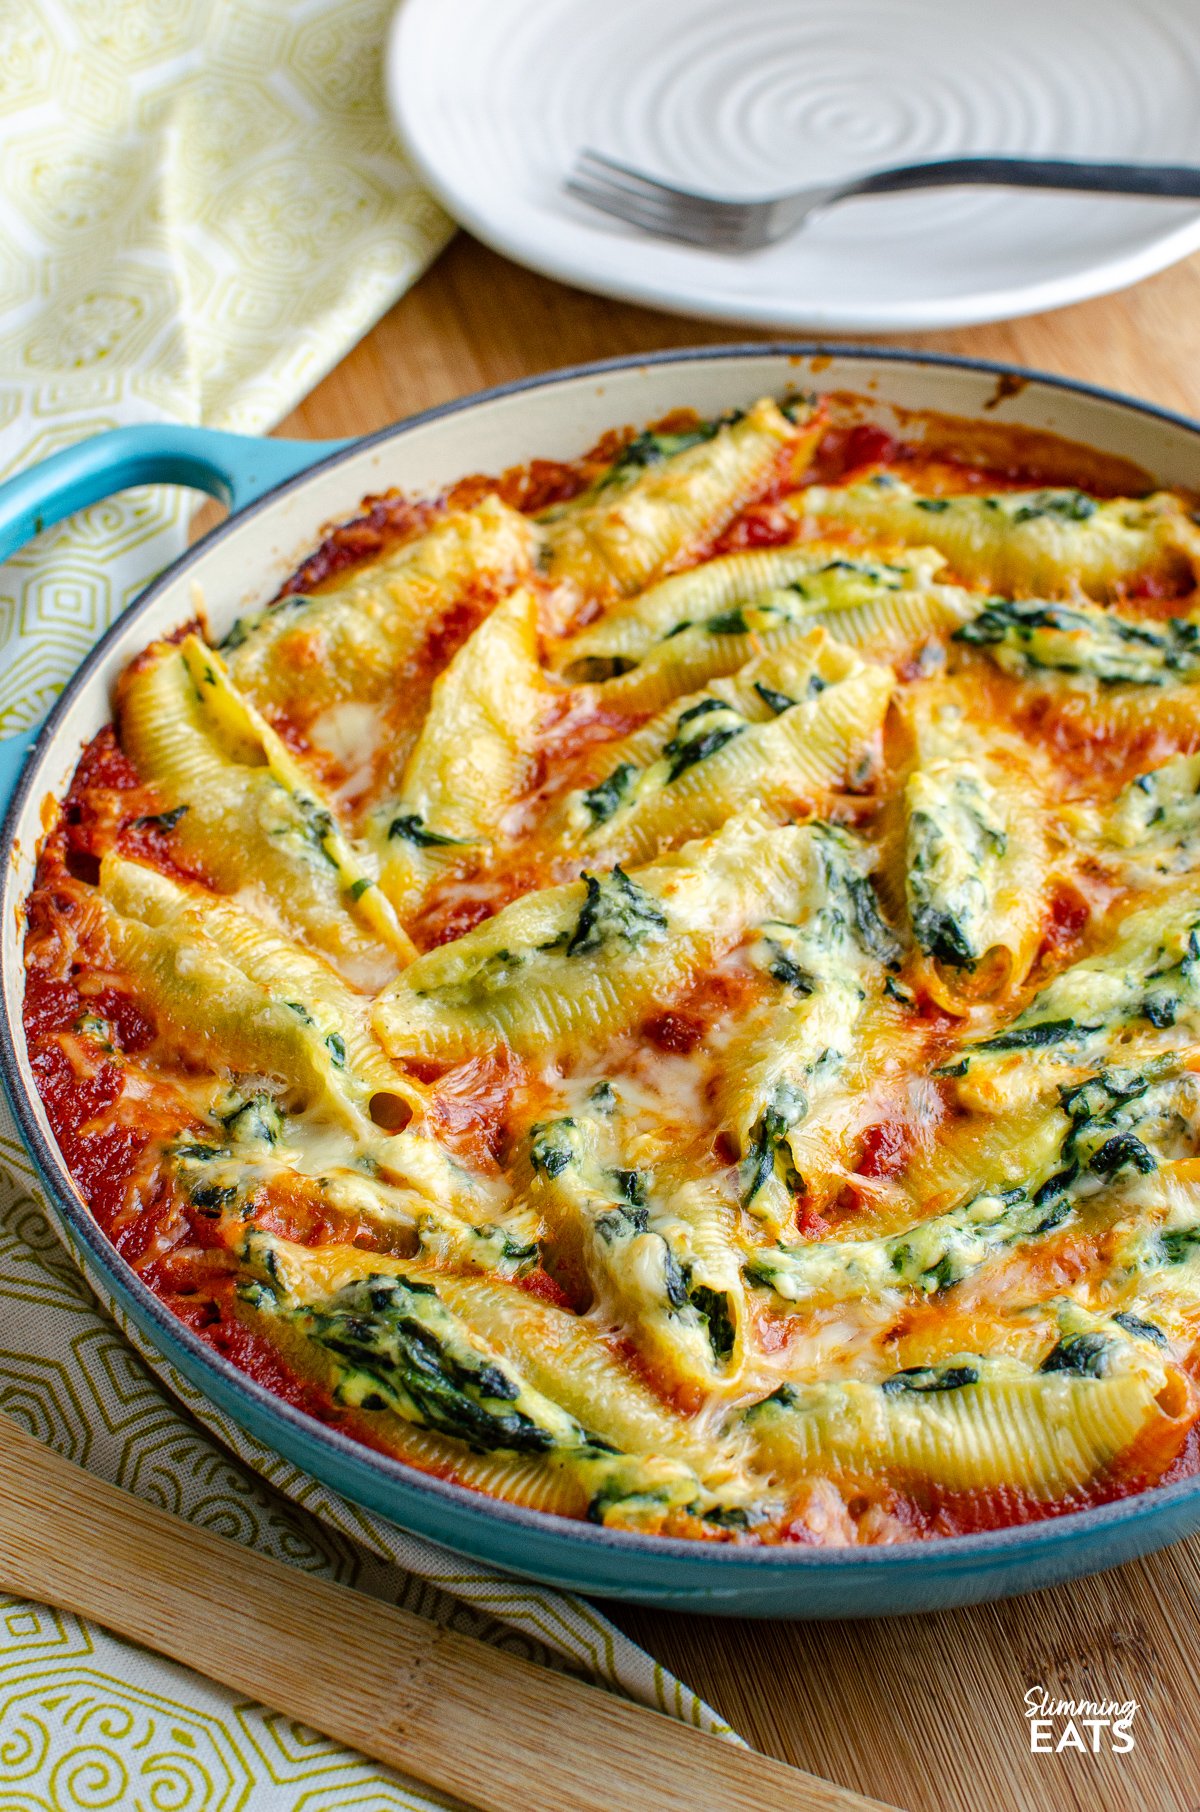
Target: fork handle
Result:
[1034, 173]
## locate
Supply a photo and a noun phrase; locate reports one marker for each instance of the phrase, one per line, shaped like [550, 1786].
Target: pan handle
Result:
[236, 468]
[13, 750]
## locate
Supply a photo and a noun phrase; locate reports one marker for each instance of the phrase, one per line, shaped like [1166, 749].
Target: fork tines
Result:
[656, 207]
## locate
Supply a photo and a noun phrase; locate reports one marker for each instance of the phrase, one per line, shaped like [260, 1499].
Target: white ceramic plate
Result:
[494, 97]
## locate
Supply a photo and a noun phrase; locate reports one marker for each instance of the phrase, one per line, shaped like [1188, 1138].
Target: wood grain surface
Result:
[496, 1731]
[926, 1713]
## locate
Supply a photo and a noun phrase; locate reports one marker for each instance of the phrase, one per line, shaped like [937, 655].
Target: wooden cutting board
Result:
[927, 1713]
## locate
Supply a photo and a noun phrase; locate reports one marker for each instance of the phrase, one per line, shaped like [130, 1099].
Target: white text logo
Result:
[1084, 1724]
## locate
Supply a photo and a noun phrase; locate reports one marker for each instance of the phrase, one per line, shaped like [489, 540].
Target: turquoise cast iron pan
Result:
[281, 494]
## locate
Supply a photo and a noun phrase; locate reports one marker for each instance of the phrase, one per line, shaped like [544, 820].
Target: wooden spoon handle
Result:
[469, 1719]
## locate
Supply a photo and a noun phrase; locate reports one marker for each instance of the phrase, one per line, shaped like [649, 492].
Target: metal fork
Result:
[724, 225]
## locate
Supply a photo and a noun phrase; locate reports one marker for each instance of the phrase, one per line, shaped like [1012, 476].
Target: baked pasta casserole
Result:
[666, 989]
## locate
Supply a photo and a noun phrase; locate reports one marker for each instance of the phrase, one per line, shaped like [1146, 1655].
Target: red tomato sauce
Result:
[1067, 915]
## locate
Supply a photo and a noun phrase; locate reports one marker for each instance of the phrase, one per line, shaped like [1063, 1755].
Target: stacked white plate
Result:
[493, 98]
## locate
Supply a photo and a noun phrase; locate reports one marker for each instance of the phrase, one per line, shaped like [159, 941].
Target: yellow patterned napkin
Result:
[201, 209]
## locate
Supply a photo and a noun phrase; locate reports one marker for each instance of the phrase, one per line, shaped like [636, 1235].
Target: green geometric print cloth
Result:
[202, 207]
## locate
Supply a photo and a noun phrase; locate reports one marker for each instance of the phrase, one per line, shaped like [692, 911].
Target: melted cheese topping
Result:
[696, 1035]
